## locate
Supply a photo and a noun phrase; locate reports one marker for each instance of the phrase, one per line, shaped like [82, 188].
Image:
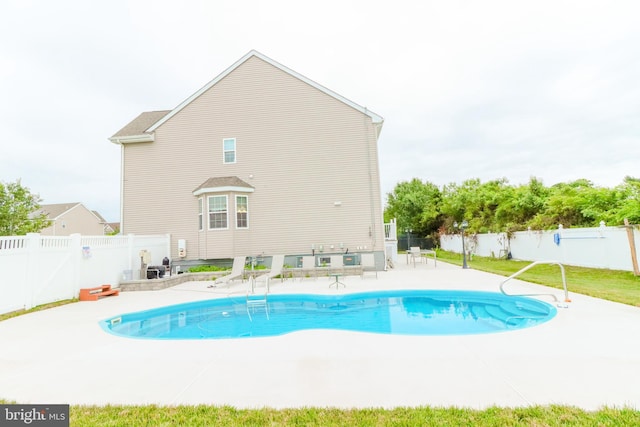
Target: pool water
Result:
[402, 312]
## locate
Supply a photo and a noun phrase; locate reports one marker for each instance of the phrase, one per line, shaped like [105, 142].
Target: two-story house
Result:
[261, 160]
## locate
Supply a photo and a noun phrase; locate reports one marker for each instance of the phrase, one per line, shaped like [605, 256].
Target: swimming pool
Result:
[402, 312]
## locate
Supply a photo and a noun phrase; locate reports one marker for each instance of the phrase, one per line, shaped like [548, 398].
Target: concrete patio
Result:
[587, 356]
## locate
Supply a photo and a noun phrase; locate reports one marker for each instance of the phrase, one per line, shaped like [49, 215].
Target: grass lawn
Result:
[612, 285]
[202, 415]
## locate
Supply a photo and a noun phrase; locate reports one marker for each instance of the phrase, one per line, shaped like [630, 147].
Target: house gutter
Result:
[131, 139]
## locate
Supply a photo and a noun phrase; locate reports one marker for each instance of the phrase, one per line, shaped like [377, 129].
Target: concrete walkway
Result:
[587, 356]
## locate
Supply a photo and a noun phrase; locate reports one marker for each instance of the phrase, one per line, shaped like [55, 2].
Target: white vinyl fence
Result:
[37, 269]
[600, 247]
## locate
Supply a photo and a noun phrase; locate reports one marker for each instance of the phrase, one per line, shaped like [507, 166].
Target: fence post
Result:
[632, 247]
[75, 249]
[31, 275]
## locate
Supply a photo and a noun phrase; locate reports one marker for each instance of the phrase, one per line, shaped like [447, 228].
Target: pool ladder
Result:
[533, 264]
[257, 301]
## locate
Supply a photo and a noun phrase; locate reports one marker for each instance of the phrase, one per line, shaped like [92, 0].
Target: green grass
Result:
[612, 285]
[203, 415]
[6, 316]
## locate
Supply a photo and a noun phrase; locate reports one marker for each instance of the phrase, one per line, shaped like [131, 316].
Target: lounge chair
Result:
[337, 264]
[309, 267]
[277, 264]
[368, 264]
[237, 272]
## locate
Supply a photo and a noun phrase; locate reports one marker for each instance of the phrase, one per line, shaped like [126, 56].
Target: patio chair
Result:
[309, 267]
[368, 264]
[414, 253]
[277, 264]
[337, 264]
[236, 272]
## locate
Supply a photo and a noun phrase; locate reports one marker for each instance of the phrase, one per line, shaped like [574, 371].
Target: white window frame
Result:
[226, 212]
[200, 214]
[225, 151]
[238, 196]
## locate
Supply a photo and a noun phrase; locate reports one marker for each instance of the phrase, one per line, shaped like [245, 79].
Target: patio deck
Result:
[587, 356]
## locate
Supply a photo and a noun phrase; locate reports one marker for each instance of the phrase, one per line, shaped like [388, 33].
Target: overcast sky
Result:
[468, 89]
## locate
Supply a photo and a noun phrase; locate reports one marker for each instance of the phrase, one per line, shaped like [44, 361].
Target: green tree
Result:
[628, 205]
[18, 208]
[575, 204]
[475, 202]
[415, 205]
[521, 205]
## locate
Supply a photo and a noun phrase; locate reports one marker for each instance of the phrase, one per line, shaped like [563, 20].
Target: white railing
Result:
[391, 230]
[533, 264]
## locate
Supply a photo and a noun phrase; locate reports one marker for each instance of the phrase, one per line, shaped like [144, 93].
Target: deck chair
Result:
[368, 263]
[277, 264]
[337, 264]
[237, 272]
[309, 267]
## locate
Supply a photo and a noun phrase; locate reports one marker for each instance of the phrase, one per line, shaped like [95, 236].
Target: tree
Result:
[18, 208]
[629, 204]
[415, 205]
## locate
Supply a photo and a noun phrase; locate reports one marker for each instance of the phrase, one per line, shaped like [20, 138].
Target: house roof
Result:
[142, 127]
[137, 128]
[224, 183]
[53, 211]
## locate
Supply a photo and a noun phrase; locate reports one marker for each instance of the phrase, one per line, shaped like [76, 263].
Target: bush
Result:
[206, 268]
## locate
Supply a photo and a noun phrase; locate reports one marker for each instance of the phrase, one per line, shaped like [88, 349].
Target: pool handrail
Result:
[533, 264]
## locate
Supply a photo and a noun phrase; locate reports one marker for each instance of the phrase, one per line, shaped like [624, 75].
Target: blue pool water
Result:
[402, 312]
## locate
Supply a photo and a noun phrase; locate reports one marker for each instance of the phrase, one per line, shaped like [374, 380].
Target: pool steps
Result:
[94, 294]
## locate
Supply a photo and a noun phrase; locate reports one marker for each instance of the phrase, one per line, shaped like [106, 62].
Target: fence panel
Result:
[13, 270]
[36, 269]
[597, 247]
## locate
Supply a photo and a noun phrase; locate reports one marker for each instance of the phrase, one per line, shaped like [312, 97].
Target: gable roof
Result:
[55, 210]
[136, 130]
[374, 117]
[224, 183]
[142, 127]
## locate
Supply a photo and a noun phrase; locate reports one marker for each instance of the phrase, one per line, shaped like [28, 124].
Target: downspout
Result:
[121, 188]
[372, 229]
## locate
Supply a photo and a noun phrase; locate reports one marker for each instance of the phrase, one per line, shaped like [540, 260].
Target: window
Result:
[229, 150]
[200, 213]
[242, 212]
[217, 212]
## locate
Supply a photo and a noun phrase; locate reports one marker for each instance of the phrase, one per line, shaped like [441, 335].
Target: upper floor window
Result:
[229, 150]
[217, 212]
[242, 212]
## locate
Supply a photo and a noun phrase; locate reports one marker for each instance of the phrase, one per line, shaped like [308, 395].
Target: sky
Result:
[468, 89]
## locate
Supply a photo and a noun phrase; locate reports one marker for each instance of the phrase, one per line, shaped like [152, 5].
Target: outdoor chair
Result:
[368, 264]
[237, 272]
[414, 253]
[309, 267]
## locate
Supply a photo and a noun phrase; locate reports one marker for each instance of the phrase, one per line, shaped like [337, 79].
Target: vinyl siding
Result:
[301, 149]
[79, 219]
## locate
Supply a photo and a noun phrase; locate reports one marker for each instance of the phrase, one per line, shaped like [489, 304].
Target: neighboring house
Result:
[261, 160]
[109, 227]
[70, 218]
